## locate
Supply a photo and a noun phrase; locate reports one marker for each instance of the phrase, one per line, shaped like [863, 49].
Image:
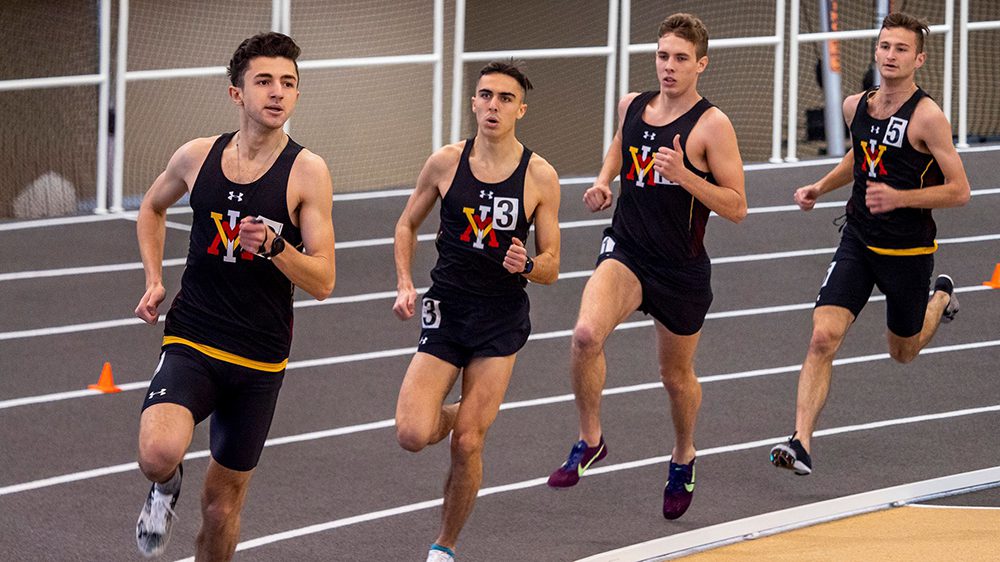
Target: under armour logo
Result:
[483, 194]
[236, 196]
[876, 129]
[423, 340]
[161, 392]
[648, 136]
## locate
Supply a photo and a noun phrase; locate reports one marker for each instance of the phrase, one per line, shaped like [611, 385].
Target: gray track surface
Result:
[333, 478]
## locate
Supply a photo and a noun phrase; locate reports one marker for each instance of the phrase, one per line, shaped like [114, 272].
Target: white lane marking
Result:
[746, 258]
[536, 482]
[381, 354]
[387, 423]
[387, 241]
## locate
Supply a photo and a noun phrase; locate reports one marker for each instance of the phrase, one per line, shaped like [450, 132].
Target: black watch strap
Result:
[277, 246]
[529, 264]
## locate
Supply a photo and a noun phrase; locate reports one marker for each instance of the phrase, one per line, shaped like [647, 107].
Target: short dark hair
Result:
[511, 69]
[689, 28]
[270, 44]
[906, 21]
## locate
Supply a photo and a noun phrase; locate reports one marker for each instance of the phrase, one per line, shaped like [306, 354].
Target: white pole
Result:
[624, 54]
[121, 68]
[779, 70]
[284, 9]
[437, 101]
[793, 81]
[456, 71]
[833, 121]
[963, 74]
[949, 39]
[101, 195]
[609, 77]
[276, 15]
[881, 11]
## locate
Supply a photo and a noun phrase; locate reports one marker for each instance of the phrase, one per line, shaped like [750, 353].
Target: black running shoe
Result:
[944, 283]
[793, 456]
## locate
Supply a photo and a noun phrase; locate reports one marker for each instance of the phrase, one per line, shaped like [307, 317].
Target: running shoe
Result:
[439, 553]
[152, 531]
[944, 283]
[793, 456]
[581, 457]
[679, 490]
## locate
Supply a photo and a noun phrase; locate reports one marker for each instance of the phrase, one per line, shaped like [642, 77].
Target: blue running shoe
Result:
[581, 457]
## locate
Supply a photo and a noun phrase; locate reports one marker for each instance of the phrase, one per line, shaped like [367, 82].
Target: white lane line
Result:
[402, 351]
[560, 398]
[387, 241]
[536, 482]
[308, 303]
[110, 268]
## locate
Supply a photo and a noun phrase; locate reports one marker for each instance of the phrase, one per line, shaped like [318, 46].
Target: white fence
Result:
[615, 51]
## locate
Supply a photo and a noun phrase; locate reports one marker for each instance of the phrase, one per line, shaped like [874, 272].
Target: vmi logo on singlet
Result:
[895, 132]
[504, 217]
[642, 165]
[230, 232]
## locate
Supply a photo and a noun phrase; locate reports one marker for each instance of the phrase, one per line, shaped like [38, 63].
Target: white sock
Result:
[172, 486]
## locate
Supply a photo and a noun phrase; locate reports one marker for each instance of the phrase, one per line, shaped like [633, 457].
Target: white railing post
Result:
[793, 82]
[779, 70]
[103, 95]
[609, 77]
[949, 37]
[437, 95]
[457, 66]
[624, 62]
[284, 10]
[120, 78]
[963, 74]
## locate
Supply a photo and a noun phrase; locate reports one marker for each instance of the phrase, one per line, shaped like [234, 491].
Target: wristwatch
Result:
[277, 245]
[528, 265]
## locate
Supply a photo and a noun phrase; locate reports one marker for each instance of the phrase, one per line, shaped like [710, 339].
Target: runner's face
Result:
[270, 91]
[498, 104]
[677, 65]
[896, 53]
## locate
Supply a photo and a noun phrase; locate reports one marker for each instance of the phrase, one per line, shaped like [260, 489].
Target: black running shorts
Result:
[241, 401]
[677, 297]
[904, 280]
[458, 329]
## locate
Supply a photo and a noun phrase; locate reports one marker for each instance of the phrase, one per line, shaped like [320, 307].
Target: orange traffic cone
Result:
[106, 383]
[995, 281]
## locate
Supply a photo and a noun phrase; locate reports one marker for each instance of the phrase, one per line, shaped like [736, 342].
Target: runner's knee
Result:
[158, 460]
[467, 443]
[585, 340]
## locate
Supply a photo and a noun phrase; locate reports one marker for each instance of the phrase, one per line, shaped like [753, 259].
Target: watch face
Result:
[277, 246]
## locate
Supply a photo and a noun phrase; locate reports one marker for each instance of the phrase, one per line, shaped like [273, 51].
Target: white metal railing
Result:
[617, 51]
[795, 39]
[777, 40]
[102, 79]
[965, 26]
[462, 56]
[281, 22]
